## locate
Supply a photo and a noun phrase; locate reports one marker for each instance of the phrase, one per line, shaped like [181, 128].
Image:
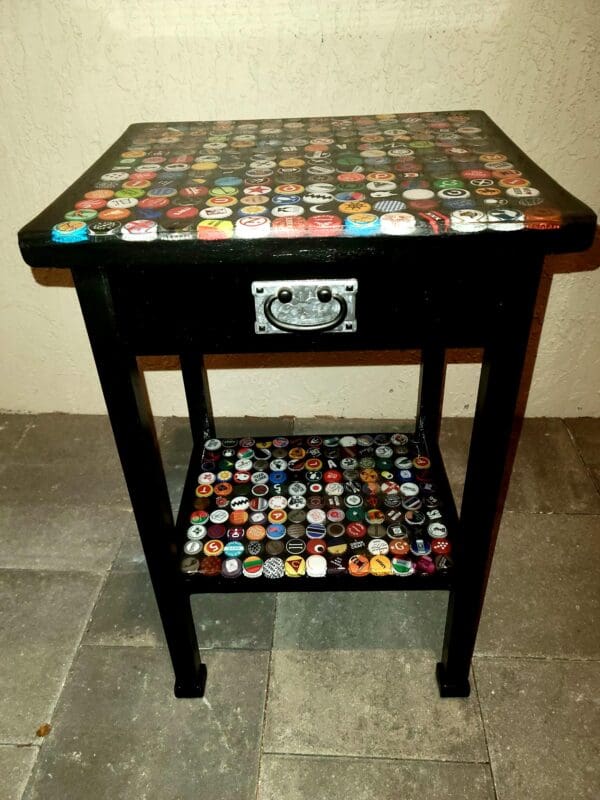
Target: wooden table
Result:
[396, 231]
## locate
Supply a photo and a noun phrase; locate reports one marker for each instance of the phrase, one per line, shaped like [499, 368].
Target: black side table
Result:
[395, 231]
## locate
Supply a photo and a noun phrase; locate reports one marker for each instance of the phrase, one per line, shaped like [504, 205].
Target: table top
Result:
[202, 190]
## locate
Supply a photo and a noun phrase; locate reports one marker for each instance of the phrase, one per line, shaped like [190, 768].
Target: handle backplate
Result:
[323, 305]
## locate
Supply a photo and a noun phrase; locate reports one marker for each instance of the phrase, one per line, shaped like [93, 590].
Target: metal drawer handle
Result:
[291, 327]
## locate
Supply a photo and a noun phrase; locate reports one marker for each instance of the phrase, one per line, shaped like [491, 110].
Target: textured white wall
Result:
[75, 74]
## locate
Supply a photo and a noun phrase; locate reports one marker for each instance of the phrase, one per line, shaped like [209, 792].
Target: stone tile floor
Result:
[320, 696]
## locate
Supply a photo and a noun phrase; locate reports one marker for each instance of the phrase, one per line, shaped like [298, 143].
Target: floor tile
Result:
[324, 424]
[330, 731]
[237, 621]
[548, 475]
[176, 476]
[175, 441]
[16, 764]
[333, 702]
[543, 727]
[176, 445]
[455, 436]
[63, 483]
[360, 620]
[543, 598]
[130, 555]
[43, 618]
[126, 614]
[80, 538]
[119, 729]
[12, 428]
[52, 438]
[310, 777]
[64, 459]
[586, 433]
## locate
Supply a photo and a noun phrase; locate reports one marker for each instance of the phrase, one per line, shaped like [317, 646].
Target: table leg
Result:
[197, 393]
[431, 391]
[486, 479]
[133, 426]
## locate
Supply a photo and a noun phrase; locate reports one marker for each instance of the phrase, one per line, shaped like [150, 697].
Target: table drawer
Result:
[221, 313]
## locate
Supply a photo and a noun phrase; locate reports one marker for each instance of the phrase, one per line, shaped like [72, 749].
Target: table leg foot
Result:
[451, 688]
[194, 688]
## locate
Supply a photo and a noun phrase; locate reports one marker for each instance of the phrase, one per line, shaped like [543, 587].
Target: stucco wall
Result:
[75, 74]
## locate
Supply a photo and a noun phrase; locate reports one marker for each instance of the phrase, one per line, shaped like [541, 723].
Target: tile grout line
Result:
[485, 736]
[162, 645]
[21, 745]
[331, 756]
[29, 426]
[261, 751]
[517, 657]
[577, 449]
[264, 714]
[51, 571]
[552, 513]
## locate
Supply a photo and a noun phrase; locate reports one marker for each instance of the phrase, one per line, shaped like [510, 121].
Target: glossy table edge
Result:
[38, 250]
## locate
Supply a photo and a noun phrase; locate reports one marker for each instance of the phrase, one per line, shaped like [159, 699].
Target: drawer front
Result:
[180, 308]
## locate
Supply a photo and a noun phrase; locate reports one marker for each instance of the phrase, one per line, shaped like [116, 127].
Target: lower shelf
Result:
[306, 513]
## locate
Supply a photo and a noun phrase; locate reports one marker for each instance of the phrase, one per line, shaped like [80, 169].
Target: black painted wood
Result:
[481, 508]
[133, 426]
[197, 392]
[431, 390]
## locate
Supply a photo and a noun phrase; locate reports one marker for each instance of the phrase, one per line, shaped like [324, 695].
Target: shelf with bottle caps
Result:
[305, 513]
